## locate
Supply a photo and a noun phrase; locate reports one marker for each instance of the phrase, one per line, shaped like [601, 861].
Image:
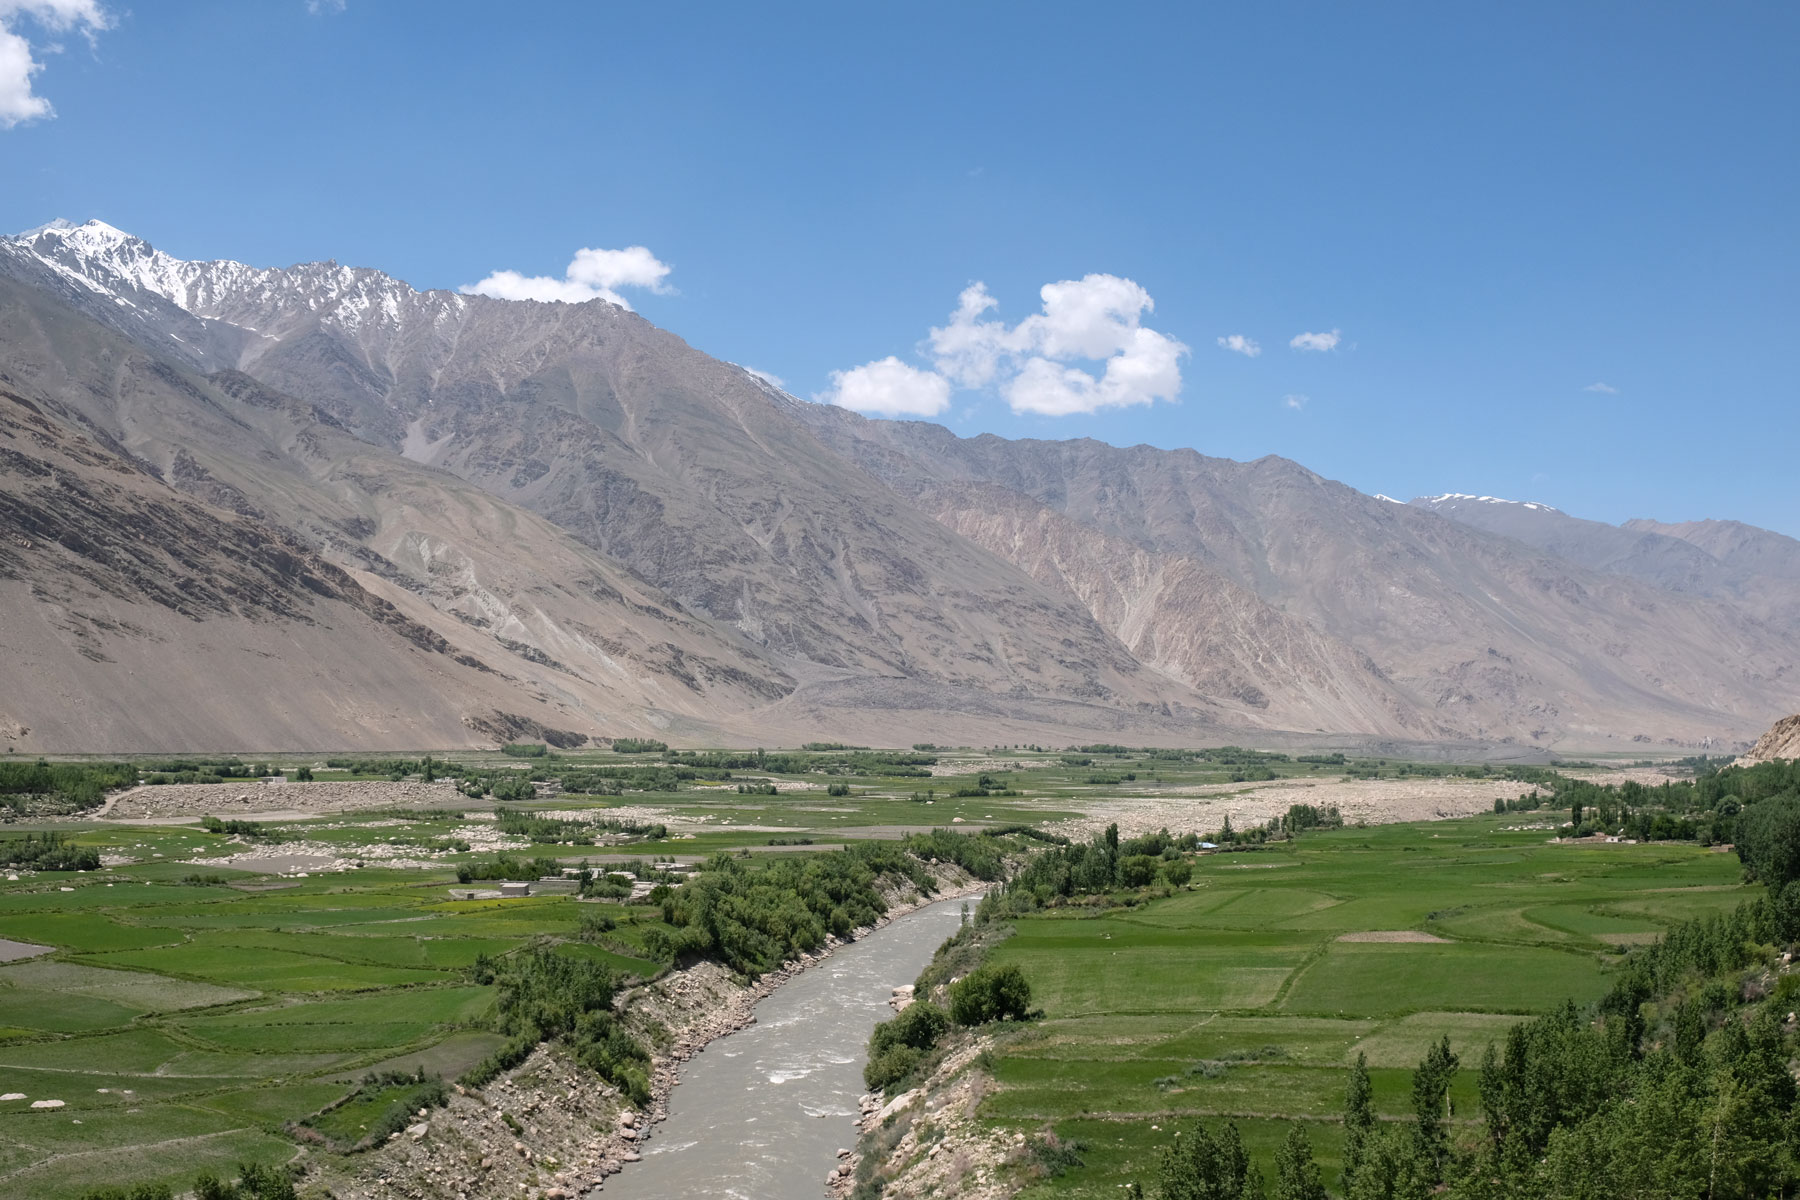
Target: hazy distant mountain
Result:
[631, 535]
[1758, 571]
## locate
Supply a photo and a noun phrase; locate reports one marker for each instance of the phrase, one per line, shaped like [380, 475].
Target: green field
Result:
[190, 1011]
[1236, 999]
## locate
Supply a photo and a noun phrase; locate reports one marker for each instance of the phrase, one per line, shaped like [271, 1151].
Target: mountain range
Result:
[312, 507]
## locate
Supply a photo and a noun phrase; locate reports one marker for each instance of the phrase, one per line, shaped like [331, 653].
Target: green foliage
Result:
[837, 789]
[754, 920]
[1055, 1156]
[238, 828]
[512, 788]
[75, 786]
[525, 750]
[1296, 1174]
[1201, 1166]
[505, 866]
[990, 994]
[980, 857]
[899, 1044]
[544, 996]
[48, 852]
[638, 746]
[142, 1191]
[549, 830]
[303, 775]
[254, 1182]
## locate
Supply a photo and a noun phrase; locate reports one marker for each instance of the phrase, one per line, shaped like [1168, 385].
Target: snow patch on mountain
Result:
[1453, 498]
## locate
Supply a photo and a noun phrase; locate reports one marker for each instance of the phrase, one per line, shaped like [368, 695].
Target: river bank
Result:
[550, 1129]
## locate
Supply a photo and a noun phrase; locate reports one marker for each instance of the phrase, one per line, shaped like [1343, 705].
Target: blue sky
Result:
[1496, 207]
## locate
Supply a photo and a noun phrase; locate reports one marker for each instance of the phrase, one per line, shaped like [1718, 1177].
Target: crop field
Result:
[204, 989]
[1240, 997]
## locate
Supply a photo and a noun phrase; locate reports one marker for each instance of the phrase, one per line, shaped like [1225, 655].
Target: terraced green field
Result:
[1236, 997]
[189, 1011]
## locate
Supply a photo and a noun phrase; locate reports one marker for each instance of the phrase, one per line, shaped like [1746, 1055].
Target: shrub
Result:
[513, 789]
[1177, 873]
[990, 994]
[890, 1067]
[1138, 870]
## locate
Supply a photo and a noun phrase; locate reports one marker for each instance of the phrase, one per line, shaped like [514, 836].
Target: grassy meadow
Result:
[1237, 997]
[190, 1010]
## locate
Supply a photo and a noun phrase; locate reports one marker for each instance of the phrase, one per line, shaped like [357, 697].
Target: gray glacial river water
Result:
[761, 1114]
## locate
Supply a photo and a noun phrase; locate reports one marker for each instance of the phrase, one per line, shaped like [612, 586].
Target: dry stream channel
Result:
[762, 1113]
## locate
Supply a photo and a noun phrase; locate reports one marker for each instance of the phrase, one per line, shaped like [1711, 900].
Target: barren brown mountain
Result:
[628, 536]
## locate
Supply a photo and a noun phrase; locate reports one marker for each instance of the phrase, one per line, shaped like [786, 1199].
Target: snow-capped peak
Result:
[1459, 497]
[123, 267]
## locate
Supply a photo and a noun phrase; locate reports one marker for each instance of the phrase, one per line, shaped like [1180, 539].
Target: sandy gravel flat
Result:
[1375, 801]
[241, 797]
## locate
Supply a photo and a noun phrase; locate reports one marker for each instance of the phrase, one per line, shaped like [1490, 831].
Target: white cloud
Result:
[18, 102]
[1317, 341]
[1605, 389]
[1294, 400]
[591, 275]
[1096, 319]
[1237, 343]
[891, 388]
[315, 7]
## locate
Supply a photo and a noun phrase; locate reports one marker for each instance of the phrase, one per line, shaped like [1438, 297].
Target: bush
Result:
[143, 1191]
[990, 994]
[890, 1067]
[1138, 870]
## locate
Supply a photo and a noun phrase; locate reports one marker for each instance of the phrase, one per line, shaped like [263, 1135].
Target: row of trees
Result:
[1676, 1085]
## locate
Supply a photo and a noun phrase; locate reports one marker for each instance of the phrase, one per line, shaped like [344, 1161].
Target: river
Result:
[761, 1114]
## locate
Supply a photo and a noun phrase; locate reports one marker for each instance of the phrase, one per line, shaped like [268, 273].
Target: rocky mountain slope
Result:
[1471, 631]
[1782, 741]
[632, 536]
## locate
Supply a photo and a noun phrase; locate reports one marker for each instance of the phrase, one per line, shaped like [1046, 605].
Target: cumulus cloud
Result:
[891, 388]
[1605, 389]
[1317, 341]
[18, 103]
[1034, 365]
[1237, 343]
[1294, 400]
[591, 275]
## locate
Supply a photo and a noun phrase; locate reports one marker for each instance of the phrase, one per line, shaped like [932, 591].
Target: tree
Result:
[1359, 1116]
[1431, 1104]
[1199, 1166]
[990, 994]
[1296, 1174]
